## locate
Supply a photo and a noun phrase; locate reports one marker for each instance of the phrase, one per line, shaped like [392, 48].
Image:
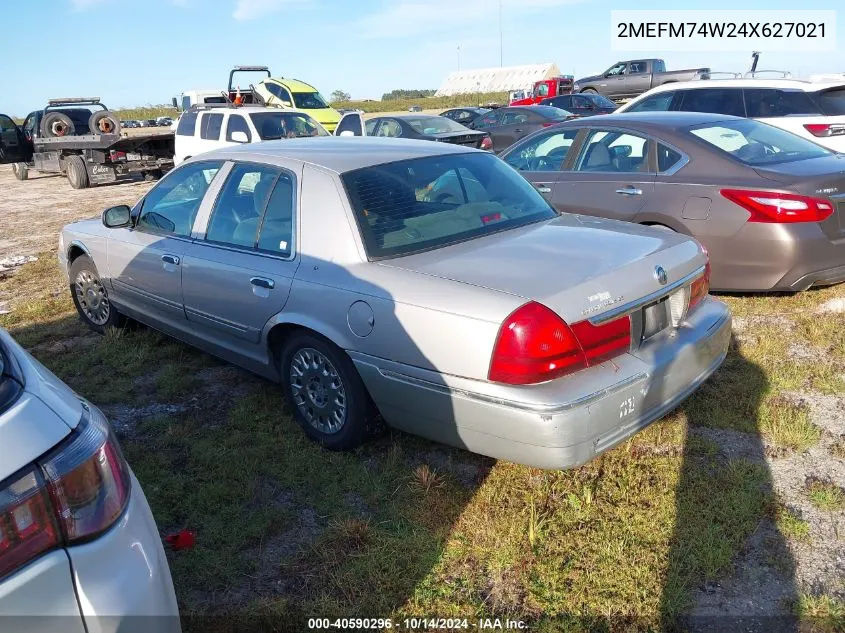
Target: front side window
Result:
[833, 101]
[769, 102]
[6, 124]
[389, 127]
[543, 90]
[655, 103]
[237, 123]
[285, 124]
[714, 100]
[614, 151]
[757, 144]
[309, 101]
[187, 124]
[172, 205]
[210, 126]
[240, 205]
[618, 69]
[280, 92]
[29, 124]
[424, 203]
[488, 120]
[543, 153]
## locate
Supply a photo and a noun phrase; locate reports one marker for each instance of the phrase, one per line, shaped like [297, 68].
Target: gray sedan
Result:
[767, 204]
[425, 282]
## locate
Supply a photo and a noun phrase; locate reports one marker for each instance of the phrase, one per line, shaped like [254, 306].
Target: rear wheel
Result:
[90, 296]
[327, 395]
[20, 170]
[589, 91]
[77, 174]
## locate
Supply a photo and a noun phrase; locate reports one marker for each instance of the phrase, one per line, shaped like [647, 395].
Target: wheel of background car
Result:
[325, 392]
[663, 227]
[90, 296]
[152, 175]
[20, 170]
[76, 172]
[56, 125]
[104, 122]
[589, 91]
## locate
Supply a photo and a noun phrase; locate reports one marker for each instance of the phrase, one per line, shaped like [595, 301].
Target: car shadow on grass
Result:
[729, 568]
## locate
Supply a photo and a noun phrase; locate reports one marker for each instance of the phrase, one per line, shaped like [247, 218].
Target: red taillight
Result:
[534, 345]
[549, 123]
[700, 287]
[772, 206]
[486, 143]
[824, 129]
[76, 493]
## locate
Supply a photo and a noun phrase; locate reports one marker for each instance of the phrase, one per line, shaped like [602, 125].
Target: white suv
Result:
[814, 110]
[205, 128]
[79, 549]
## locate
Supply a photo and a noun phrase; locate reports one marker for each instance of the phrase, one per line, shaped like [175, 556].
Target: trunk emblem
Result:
[660, 275]
[827, 191]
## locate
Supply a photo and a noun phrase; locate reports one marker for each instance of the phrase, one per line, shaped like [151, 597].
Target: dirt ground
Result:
[33, 211]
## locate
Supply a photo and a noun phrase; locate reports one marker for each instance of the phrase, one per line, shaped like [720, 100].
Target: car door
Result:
[350, 124]
[14, 147]
[615, 78]
[540, 158]
[144, 260]
[612, 176]
[488, 123]
[514, 125]
[637, 77]
[238, 272]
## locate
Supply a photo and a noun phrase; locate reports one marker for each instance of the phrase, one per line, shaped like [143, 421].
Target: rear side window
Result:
[236, 216]
[833, 101]
[768, 102]
[667, 158]
[210, 126]
[714, 100]
[187, 124]
[655, 103]
[237, 124]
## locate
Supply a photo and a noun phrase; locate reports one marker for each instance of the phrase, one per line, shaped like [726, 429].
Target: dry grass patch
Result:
[825, 495]
[791, 525]
[822, 614]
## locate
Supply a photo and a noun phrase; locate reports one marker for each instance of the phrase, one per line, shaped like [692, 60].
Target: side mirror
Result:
[240, 137]
[117, 217]
[287, 103]
[175, 103]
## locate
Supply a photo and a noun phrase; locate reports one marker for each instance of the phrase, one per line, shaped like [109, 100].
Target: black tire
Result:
[20, 170]
[155, 174]
[315, 388]
[77, 174]
[90, 296]
[589, 91]
[104, 119]
[56, 125]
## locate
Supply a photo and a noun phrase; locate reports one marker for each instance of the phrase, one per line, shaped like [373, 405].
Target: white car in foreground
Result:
[812, 109]
[79, 549]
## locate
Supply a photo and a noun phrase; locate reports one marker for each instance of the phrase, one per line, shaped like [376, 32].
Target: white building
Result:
[495, 79]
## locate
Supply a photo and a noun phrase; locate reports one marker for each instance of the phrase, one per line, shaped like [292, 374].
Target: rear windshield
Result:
[309, 100]
[757, 144]
[770, 102]
[600, 100]
[415, 205]
[275, 125]
[79, 116]
[435, 125]
[833, 101]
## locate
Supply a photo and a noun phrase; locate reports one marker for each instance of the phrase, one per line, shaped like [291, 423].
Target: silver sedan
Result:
[421, 283]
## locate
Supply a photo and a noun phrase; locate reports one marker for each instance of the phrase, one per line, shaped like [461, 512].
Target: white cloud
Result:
[252, 9]
[402, 18]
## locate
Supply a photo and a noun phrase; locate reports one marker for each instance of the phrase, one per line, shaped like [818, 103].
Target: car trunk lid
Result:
[468, 138]
[580, 267]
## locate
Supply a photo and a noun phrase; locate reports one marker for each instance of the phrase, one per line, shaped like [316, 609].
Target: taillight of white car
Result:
[75, 493]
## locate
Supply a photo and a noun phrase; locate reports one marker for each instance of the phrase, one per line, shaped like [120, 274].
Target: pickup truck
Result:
[631, 78]
[544, 89]
[81, 139]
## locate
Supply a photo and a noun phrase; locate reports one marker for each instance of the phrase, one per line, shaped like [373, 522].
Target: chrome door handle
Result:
[170, 259]
[263, 282]
[630, 191]
[543, 188]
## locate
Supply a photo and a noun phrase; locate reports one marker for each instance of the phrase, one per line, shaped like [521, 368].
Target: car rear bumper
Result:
[562, 423]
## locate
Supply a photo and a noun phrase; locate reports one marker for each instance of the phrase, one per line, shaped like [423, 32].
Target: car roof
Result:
[656, 119]
[294, 85]
[335, 153]
[783, 84]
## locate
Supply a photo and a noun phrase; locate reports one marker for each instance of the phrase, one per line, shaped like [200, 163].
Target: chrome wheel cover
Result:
[318, 390]
[92, 297]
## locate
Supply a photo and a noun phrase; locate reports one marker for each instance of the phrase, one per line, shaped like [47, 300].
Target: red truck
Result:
[546, 88]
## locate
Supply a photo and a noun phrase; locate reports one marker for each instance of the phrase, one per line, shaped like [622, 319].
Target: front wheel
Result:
[327, 395]
[90, 296]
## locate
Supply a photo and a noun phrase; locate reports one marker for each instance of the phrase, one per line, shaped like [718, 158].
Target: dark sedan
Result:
[427, 128]
[582, 105]
[465, 116]
[767, 204]
[507, 125]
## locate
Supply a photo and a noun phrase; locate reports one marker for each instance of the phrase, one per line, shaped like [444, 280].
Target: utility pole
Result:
[459, 57]
[501, 53]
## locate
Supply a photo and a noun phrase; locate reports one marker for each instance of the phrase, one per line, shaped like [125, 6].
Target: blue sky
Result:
[135, 52]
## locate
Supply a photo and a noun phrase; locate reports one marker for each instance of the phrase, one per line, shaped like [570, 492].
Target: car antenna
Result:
[755, 55]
